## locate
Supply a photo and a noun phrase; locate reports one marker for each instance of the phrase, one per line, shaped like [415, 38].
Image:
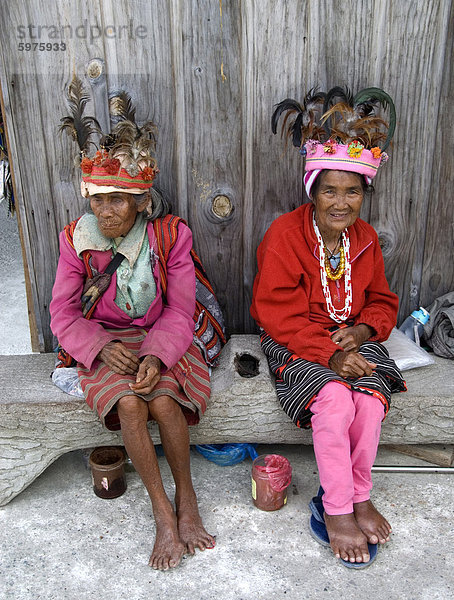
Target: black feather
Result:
[313, 96]
[121, 107]
[344, 94]
[77, 126]
[296, 130]
[286, 105]
[304, 125]
[373, 95]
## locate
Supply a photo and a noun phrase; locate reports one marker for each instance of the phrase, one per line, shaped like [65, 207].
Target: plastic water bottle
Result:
[413, 326]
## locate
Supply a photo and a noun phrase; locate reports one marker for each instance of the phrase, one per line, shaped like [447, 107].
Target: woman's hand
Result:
[118, 358]
[351, 338]
[350, 364]
[148, 375]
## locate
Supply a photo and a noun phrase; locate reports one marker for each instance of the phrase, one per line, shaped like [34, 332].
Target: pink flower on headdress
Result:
[355, 149]
[376, 152]
[330, 147]
[311, 146]
[86, 165]
[111, 165]
[148, 173]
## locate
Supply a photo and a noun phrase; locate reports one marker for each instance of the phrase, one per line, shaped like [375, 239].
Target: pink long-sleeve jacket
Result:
[170, 326]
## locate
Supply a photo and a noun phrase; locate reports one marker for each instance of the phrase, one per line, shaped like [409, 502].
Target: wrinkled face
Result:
[337, 202]
[116, 212]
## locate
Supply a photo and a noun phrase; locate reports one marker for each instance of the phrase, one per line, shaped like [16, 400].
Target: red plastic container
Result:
[271, 475]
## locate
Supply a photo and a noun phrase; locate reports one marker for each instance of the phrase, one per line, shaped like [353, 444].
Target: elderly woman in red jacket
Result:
[323, 303]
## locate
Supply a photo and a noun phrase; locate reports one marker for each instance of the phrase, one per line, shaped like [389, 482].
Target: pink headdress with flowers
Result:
[344, 136]
[125, 158]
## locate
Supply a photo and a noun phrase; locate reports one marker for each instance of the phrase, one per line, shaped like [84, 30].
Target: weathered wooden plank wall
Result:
[437, 274]
[215, 142]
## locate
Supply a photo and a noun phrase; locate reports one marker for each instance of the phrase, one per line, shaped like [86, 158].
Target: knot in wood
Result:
[386, 241]
[221, 206]
[95, 68]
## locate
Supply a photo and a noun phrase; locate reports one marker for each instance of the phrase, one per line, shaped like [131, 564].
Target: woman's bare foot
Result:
[168, 549]
[373, 524]
[346, 538]
[190, 527]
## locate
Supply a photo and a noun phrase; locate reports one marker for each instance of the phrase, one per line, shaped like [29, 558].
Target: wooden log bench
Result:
[39, 423]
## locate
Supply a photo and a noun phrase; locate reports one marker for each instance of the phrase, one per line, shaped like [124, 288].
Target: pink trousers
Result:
[345, 429]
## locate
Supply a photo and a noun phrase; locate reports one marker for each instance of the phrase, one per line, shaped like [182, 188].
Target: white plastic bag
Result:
[67, 379]
[405, 353]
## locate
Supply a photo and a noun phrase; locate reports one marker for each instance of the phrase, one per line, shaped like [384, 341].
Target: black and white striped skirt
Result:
[298, 381]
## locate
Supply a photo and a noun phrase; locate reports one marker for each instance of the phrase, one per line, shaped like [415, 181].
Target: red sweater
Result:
[288, 301]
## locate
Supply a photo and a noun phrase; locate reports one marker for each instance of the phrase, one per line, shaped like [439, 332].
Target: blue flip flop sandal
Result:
[317, 510]
[318, 531]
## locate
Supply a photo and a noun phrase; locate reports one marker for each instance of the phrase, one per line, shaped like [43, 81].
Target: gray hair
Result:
[159, 204]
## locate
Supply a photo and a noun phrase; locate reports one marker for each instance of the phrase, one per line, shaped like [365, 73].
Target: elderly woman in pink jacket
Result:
[134, 349]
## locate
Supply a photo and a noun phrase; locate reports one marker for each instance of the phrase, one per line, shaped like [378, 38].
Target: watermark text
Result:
[83, 31]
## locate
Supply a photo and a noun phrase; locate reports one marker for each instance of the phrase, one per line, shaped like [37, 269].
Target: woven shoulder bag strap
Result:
[166, 232]
[97, 290]
[69, 233]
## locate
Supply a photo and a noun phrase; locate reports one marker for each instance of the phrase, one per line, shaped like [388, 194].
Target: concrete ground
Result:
[59, 541]
[14, 327]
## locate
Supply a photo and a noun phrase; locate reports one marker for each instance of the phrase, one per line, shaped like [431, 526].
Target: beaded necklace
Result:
[337, 315]
[339, 270]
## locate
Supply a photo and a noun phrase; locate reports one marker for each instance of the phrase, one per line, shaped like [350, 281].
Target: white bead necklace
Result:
[337, 315]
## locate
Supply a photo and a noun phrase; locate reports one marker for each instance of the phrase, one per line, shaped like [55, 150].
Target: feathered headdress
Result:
[344, 135]
[124, 158]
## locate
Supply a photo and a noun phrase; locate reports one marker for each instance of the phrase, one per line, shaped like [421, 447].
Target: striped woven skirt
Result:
[188, 382]
[298, 381]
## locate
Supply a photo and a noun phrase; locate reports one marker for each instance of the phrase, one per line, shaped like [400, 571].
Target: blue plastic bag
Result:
[227, 454]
